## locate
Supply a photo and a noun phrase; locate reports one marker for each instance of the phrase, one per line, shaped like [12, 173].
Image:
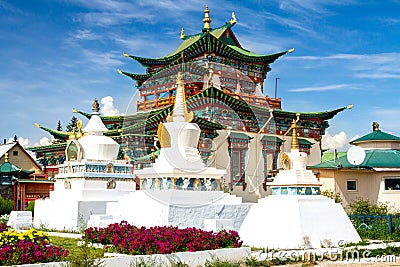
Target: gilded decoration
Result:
[163, 136]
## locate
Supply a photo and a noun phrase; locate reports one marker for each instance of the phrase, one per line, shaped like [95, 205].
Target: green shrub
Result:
[86, 256]
[6, 206]
[220, 263]
[365, 206]
[31, 207]
[329, 193]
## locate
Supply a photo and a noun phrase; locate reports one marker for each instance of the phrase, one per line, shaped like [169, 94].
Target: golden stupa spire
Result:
[182, 33]
[95, 105]
[6, 157]
[206, 20]
[233, 19]
[295, 141]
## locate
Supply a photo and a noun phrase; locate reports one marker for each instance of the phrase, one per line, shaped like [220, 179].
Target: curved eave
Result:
[116, 119]
[113, 133]
[324, 115]
[205, 42]
[376, 136]
[355, 142]
[215, 93]
[243, 54]
[149, 62]
[151, 120]
[210, 125]
[56, 134]
[87, 115]
[137, 77]
[52, 147]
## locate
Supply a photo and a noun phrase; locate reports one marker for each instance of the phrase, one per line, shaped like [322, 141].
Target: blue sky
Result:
[61, 54]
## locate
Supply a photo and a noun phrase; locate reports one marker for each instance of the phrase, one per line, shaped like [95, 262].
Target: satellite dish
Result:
[356, 155]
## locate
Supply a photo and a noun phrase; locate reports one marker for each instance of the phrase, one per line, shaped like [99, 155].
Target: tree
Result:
[72, 126]
[59, 128]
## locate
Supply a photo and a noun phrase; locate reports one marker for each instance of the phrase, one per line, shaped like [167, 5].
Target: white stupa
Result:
[90, 177]
[179, 165]
[296, 215]
[179, 189]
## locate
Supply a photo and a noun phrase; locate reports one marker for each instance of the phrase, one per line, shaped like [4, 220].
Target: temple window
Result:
[237, 147]
[270, 150]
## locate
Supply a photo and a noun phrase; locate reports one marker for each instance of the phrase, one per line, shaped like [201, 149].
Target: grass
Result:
[66, 243]
[86, 256]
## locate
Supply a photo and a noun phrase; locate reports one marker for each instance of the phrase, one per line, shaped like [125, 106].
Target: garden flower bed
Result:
[128, 239]
[31, 246]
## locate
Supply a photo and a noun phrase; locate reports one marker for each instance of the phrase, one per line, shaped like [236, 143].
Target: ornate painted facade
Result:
[224, 89]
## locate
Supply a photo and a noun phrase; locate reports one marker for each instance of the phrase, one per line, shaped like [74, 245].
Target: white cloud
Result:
[103, 60]
[371, 66]
[85, 35]
[321, 88]
[24, 142]
[336, 141]
[306, 6]
[108, 108]
[44, 141]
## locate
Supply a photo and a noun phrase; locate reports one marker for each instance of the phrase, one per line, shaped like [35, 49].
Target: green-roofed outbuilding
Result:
[376, 178]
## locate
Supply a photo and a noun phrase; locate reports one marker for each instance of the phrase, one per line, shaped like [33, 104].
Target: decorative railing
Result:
[95, 168]
[180, 183]
[375, 226]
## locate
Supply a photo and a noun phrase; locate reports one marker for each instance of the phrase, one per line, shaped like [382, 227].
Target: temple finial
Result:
[182, 33]
[375, 126]
[206, 20]
[295, 141]
[6, 157]
[95, 106]
[233, 19]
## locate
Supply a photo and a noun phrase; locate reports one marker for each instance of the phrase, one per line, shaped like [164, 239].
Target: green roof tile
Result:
[376, 135]
[376, 158]
[304, 141]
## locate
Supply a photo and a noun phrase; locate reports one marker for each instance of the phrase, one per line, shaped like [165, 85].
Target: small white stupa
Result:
[296, 215]
[90, 177]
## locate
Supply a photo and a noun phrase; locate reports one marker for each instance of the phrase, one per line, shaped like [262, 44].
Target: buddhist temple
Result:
[242, 130]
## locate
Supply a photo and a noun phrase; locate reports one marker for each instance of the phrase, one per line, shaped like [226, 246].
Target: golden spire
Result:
[6, 157]
[295, 141]
[206, 20]
[375, 126]
[233, 19]
[182, 33]
[95, 106]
